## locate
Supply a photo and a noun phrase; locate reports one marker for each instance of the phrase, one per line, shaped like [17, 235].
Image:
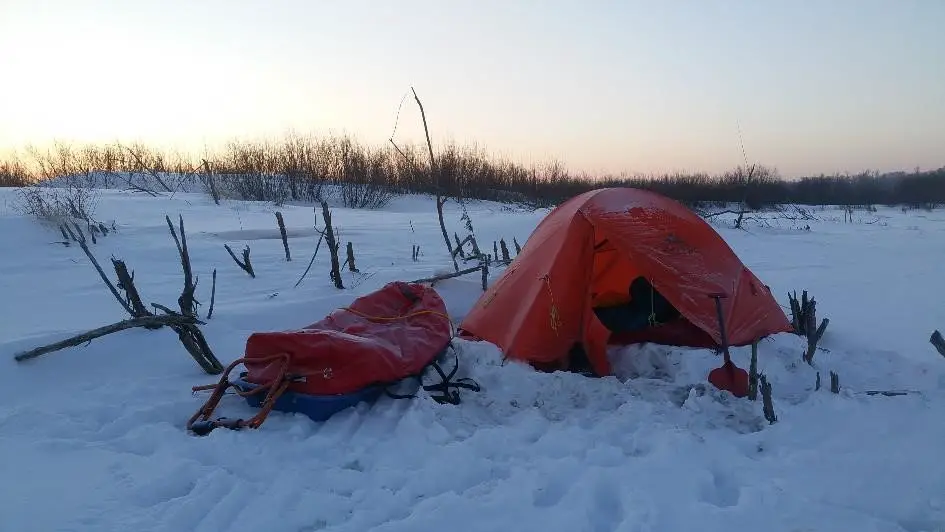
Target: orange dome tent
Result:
[586, 254]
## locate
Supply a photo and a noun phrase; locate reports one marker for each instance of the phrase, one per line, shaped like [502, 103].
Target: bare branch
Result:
[245, 264]
[80, 238]
[445, 276]
[335, 272]
[150, 171]
[213, 294]
[86, 337]
[315, 254]
[939, 342]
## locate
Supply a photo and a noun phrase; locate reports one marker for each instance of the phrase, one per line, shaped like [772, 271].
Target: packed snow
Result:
[93, 438]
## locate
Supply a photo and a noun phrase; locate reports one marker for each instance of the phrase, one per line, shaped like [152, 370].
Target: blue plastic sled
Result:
[316, 407]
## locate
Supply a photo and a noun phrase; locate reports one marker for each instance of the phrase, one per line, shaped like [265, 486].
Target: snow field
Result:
[92, 438]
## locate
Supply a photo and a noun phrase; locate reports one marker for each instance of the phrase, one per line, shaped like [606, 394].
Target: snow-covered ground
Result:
[92, 438]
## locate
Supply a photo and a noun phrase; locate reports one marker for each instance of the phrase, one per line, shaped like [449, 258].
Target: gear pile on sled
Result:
[352, 355]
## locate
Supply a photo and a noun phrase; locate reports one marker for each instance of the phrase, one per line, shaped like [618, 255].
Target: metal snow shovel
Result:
[728, 376]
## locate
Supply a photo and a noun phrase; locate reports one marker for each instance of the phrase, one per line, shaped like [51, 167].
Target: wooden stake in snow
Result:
[753, 373]
[834, 382]
[804, 321]
[518, 248]
[767, 402]
[213, 294]
[335, 272]
[350, 259]
[939, 342]
[505, 251]
[285, 236]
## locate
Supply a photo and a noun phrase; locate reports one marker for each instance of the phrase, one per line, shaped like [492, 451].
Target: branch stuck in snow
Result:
[445, 276]
[285, 236]
[86, 337]
[939, 342]
[245, 264]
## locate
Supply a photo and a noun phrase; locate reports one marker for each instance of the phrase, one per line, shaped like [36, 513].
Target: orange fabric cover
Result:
[586, 252]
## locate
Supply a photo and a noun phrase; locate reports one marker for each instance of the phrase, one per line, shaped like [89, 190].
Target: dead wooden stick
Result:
[939, 342]
[813, 338]
[245, 264]
[85, 248]
[350, 259]
[194, 343]
[335, 272]
[126, 282]
[79, 339]
[213, 294]
[449, 275]
[285, 236]
[505, 251]
[753, 373]
[804, 322]
[834, 382]
[186, 301]
[460, 244]
[210, 183]
[767, 404]
[440, 201]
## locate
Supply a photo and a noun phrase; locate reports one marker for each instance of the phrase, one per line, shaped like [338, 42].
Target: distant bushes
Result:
[13, 174]
[298, 168]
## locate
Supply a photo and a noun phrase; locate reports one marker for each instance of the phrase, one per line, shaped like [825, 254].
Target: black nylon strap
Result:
[446, 388]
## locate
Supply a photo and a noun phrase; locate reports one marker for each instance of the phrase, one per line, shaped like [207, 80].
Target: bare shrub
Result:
[58, 205]
[13, 173]
[365, 179]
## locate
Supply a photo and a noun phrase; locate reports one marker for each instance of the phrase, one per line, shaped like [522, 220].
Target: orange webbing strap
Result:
[370, 317]
[200, 422]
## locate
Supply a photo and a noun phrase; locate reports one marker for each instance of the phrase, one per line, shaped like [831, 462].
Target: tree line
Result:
[306, 164]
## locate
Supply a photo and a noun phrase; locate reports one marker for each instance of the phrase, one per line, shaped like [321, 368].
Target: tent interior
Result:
[621, 297]
[625, 302]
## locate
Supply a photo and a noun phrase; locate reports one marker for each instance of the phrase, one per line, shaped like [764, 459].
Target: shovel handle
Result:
[721, 315]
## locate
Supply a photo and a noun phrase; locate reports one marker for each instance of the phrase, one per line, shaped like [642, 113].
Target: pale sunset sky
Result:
[602, 86]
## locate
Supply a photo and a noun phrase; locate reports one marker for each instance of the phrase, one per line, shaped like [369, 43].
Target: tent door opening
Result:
[645, 308]
[622, 298]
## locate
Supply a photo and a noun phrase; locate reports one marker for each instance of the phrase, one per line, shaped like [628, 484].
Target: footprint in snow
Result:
[607, 511]
[724, 490]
